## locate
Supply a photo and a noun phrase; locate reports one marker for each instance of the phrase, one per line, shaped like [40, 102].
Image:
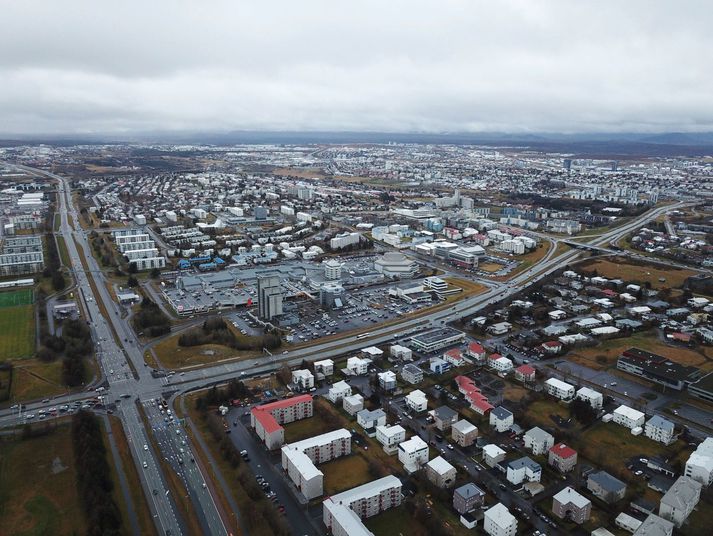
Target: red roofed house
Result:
[562, 457]
[551, 347]
[476, 351]
[525, 373]
[478, 402]
[268, 418]
[454, 357]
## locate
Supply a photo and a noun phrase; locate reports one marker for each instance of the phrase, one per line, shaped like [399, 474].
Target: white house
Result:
[559, 389]
[680, 500]
[353, 404]
[369, 420]
[699, 465]
[522, 470]
[501, 419]
[493, 455]
[413, 453]
[659, 429]
[387, 380]
[303, 379]
[416, 401]
[498, 521]
[629, 417]
[401, 352]
[592, 397]
[390, 437]
[538, 441]
[440, 472]
[338, 391]
[500, 364]
[358, 365]
[325, 367]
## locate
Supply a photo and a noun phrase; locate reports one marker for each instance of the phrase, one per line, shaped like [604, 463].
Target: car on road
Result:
[146, 447]
[146, 465]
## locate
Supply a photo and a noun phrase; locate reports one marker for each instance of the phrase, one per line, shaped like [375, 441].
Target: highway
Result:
[121, 359]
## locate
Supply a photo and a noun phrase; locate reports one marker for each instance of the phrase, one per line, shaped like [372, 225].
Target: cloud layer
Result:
[440, 66]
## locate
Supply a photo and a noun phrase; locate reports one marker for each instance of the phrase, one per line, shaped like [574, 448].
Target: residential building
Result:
[444, 417]
[559, 389]
[501, 419]
[390, 437]
[455, 357]
[628, 417]
[538, 441]
[401, 352]
[606, 487]
[416, 401]
[493, 455]
[353, 404]
[570, 505]
[338, 391]
[464, 433]
[413, 453]
[324, 367]
[525, 373]
[358, 365]
[21, 255]
[438, 365]
[592, 397]
[562, 457]
[654, 525]
[441, 473]
[387, 380]
[478, 401]
[476, 351]
[699, 465]
[523, 469]
[412, 374]
[680, 500]
[369, 420]
[342, 513]
[499, 363]
[299, 459]
[660, 429]
[498, 521]
[302, 379]
[267, 419]
[467, 498]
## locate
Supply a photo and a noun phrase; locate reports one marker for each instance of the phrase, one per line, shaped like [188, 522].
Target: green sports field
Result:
[11, 298]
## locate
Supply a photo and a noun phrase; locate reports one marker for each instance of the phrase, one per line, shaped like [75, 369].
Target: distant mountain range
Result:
[602, 145]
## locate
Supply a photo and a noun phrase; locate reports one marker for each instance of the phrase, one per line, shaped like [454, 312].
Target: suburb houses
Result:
[268, 418]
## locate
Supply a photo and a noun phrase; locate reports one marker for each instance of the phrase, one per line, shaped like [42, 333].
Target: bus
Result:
[363, 335]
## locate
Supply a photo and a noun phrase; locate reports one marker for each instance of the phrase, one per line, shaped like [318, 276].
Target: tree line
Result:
[94, 480]
[216, 331]
[151, 319]
[73, 346]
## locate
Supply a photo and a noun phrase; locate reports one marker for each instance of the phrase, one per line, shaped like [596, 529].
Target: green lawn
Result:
[345, 473]
[17, 332]
[299, 430]
[395, 522]
[11, 298]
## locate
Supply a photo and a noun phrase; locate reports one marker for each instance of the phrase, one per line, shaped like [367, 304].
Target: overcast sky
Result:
[398, 66]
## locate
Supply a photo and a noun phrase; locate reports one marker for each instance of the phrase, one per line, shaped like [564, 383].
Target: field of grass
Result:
[17, 332]
[34, 379]
[173, 356]
[345, 473]
[299, 430]
[632, 273]
[605, 354]
[63, 252]
[11, 298]
[539, 412]
[395, 522]
[38, 492]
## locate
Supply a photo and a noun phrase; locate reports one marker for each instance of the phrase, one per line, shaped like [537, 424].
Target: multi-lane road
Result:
[121, 360]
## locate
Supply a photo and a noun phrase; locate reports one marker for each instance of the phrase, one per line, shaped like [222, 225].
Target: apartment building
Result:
[338, 391]
[387, 380]
[412, 374]
[699, 465]
[444, 417]
[538, 441]
[524, 469]
[299, 459]
[401, 352]
[324, 367]
[416, 401]
[353, 404]
[562, 458]
[498, 521]
[568, 504]
[501, 419]
[413, 453]
[628, 417]
[680, 500]
[441, 473]
[21, 255]
[303, 379]
[358, 365]
[606, 487]
[592, 397]
[268, 418]
[464, 433]
[559, 389]
[493, 455]
[342, 513]
[660, 429]
[467, 498]
[390, 437]
[369, 420]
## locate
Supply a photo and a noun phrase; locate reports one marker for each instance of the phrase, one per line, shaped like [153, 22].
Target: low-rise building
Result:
[358, 365]
[699, 465]
[499, 363]
[353, 404]
[680, 500]
[559, 389]
[324, 367]
[501, 419]
[416, 401]
[267, 419]
[592, 397]
[568, 504]
[390, 437]
[369, 420]
[493, 455]
[523, 469]
[464, 433]
[467, 498]
[441, 473]
[628, 417]
[444, 417]
[401, 352]
[342, 513]
[657, 368]
[660, 429]
[538, 441]
[387, 380]
[498, 521]
[438, 365]
[412, 374]
[562, 457]
[303, 379]
[437, 339]
[654, 525]
[338, 391]
[525, 373]
[606, 487]
[413, 453]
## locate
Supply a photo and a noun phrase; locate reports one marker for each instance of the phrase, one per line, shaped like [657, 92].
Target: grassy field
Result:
[345, 473]
[17, 332]
[539, 412]
[299, 430]
[605, 354]
[173, 356]
[63, 252]
[632, 273]
[38, 493]
[395, 522]
[34, 379]
[11, 298]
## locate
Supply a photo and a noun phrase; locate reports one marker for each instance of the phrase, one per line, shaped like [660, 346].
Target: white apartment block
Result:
[559, 389]
[390, 437]
[353, 404]
[538, 441]
[342, 513]
[660, 429]
[299, 459]
[699, 465]
[413, 454]
[501, 419]
[498, 521]
[21, 255]
[440, 472]
[303, 379]
[412, 374]
[628, 417]
[343, 240]
[401, 352]
[680, 500]
[592, 397]
[416, 401]
[358, 366]
[325, 367]
[338, 391]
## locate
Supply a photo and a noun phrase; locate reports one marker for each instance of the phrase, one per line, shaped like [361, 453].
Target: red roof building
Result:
[562, 457]
[525, 373]
[268, 418]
